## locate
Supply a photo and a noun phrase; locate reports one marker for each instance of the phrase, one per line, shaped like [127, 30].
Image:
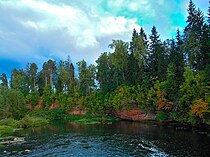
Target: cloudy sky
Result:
[38, 30]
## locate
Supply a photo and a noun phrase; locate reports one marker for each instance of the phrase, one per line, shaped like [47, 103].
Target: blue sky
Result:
[38, 30]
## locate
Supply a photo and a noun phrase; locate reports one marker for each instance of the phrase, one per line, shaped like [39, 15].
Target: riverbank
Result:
[40, 117]
[9, 126]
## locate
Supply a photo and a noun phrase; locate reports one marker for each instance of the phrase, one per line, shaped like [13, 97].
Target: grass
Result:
[88, 119]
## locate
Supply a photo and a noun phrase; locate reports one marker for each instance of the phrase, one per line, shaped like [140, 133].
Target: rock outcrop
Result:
[135, 114]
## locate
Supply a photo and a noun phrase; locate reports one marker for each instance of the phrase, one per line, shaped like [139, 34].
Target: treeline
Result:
[170, 78]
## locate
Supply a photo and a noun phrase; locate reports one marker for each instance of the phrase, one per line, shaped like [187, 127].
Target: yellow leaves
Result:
[199, 108]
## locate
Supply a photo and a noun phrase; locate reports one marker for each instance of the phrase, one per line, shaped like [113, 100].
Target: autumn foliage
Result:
[199, 108]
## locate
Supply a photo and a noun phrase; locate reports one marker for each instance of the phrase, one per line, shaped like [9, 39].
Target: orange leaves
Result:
[162, 103]
[199, 108]
[167, 106]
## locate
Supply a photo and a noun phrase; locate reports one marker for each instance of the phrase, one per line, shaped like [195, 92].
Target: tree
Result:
[32, 75]
[83, 77]
[19, 81]
[51, 68]
[132, 62]
[144, 37]
[72, 82]
[156, 60]
[92, 77]
[4, 82]
[191, 16]
[61, 78]
[209, 14]
[41, 81]
[48, 96]
[45, 73]
[12, 104]
[193, 37]
[139, 54]
[104, 74]
[120, 60]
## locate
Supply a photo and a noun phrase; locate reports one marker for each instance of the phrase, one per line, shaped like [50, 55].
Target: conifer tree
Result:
[4, 82]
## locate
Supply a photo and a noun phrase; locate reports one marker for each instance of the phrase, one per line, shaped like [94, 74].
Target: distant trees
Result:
[4, 82]
[170, 78]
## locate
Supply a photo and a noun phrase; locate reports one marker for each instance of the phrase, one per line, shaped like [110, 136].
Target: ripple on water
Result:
[109, 141]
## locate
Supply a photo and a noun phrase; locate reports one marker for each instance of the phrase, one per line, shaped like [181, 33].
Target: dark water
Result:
[115, 140]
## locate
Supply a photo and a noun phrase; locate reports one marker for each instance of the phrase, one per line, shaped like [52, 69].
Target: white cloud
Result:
[45, 30]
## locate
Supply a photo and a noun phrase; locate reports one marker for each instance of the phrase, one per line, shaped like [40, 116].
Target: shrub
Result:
[33, 98]
[9, 122]
[12, 104]
[28, 121]
[5, 130]
[161, 116]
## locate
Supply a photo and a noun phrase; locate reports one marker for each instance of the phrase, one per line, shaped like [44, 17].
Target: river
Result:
[118, 139]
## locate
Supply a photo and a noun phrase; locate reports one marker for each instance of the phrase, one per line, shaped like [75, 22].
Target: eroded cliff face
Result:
[135, 114]
[77, 111]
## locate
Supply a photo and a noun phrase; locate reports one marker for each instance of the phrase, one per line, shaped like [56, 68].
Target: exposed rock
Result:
[54, 106]
[135, 114]
[39, 105]
[77, 111]
[29, 106]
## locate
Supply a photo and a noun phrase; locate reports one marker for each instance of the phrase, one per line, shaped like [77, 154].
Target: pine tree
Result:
[33, 75]
[4, 82]
[51, 68]
[83, 77]
[191, 16]
[156, 60]
[193, 37]
[209, 14]
[72, 82]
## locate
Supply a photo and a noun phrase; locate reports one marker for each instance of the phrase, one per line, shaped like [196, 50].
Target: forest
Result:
[170, 78]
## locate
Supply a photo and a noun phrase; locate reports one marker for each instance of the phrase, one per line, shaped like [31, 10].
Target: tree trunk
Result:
[34, 84]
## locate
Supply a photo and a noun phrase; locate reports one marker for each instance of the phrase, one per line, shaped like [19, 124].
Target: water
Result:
[115, 140]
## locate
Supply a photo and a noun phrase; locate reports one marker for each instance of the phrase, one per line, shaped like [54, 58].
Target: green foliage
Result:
[54, 114]
[48, 96]
[149, 75]
[12, 104]
[33, 98]
[5, 130]
[87, 119]
[10, 122]
[161, 116]
[29, 121]
[122, 98]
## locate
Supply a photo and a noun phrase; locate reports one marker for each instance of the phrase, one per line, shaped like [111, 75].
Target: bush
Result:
[12, 104]
[9, 122]
[33, 98]
[56, 114]
[5, 130]
[28, 121]
[48, 96]
[161, 116]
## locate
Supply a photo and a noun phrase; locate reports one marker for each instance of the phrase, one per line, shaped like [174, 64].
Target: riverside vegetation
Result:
[169, 78]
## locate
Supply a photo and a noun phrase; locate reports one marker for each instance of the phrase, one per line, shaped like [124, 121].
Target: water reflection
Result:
[117, 139]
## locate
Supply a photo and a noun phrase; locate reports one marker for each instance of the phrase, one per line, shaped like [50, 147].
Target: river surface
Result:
[118, 139]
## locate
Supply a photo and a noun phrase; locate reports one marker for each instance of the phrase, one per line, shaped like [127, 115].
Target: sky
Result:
[39, 30]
